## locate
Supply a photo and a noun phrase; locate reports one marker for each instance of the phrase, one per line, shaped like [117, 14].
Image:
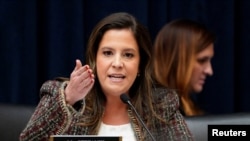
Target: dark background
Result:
[40, 40]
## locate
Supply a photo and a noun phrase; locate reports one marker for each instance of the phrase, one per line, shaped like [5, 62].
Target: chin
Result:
[198, 89]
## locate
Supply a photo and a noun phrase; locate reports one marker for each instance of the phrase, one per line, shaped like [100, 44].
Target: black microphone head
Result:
[124, 98]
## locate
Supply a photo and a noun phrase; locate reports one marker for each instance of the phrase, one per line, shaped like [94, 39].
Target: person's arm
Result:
[52, 115]
[176, 128]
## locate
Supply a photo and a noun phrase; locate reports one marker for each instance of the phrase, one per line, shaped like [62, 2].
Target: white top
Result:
[124, 130]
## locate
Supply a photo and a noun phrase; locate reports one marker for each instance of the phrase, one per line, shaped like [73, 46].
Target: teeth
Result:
[117, 76]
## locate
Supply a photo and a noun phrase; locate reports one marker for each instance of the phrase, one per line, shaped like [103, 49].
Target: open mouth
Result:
[116, 76]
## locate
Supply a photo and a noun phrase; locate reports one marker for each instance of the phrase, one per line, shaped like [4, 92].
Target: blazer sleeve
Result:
[175, 128]
[52, 115]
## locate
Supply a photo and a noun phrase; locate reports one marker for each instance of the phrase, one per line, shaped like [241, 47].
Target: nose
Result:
[117, 62]
[209, 70]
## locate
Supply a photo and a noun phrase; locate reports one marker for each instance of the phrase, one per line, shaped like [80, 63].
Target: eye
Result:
[129, 55]
[203, 60]
[107, 53]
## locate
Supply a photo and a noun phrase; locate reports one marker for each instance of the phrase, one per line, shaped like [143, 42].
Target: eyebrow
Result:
[126, 49]
[129, 49]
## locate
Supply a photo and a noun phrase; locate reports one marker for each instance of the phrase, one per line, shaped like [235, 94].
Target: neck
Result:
[115, 113]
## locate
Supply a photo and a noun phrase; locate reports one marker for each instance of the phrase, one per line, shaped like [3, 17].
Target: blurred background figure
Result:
[183, 50]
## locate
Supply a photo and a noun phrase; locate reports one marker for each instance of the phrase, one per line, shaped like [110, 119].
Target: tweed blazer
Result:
[53, 116]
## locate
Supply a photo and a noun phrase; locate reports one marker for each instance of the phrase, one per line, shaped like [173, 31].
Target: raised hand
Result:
[81, 82]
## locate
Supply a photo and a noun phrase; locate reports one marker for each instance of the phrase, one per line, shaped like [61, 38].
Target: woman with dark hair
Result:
[183, 50]
[118, 61]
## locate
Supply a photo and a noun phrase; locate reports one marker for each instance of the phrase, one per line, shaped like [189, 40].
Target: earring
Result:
[138, 74]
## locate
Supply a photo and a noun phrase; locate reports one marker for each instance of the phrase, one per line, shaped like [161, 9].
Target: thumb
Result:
[78, 64]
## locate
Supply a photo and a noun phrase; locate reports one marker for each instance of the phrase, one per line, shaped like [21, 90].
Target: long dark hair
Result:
[140, 92]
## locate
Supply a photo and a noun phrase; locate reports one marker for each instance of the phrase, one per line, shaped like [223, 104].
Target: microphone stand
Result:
[126, 100]
[143, 124]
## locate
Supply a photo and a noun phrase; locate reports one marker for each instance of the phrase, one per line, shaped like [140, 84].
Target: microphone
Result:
[125, 99]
